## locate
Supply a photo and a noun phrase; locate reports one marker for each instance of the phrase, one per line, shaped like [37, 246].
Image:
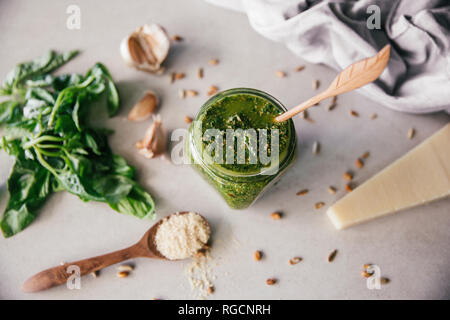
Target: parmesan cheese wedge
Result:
[420, 176]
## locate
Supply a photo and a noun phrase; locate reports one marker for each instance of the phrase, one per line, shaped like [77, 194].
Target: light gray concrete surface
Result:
[411, 247]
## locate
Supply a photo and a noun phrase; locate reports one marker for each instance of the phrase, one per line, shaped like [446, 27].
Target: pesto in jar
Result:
[241, 179]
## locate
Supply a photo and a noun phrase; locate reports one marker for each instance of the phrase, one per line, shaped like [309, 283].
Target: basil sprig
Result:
[46, 130]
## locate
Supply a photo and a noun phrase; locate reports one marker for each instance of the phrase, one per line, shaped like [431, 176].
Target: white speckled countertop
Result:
[412, 248]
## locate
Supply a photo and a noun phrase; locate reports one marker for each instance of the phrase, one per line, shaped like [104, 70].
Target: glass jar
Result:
[240, 188]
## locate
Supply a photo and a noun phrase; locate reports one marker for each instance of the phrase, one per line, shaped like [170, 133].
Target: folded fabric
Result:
[336, 33]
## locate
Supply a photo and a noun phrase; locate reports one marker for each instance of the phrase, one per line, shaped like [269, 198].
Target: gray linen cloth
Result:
[335, 33]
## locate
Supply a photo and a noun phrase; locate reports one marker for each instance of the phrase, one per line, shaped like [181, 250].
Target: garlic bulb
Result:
[146, 48]
[144, 107]
[154, 142]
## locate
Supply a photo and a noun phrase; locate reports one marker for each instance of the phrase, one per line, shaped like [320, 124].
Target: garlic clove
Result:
[146, 48]
[144, 107]
[154, 142]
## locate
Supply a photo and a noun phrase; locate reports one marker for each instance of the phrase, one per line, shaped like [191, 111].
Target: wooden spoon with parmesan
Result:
[178, 236]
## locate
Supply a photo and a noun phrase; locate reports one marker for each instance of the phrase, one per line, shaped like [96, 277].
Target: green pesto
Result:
[241, 183]
[244, 111]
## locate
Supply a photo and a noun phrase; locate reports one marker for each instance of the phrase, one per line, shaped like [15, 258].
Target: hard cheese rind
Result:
[420, 176]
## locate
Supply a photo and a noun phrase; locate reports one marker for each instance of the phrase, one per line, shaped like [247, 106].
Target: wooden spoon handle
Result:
[60, 274]
[302, 107]
[353, 77]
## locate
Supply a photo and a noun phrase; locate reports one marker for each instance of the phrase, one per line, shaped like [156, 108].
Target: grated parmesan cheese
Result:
[180, 236]
[200, 276]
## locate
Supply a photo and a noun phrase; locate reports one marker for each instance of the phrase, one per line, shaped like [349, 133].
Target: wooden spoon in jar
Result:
[353, 77]
[144, 248]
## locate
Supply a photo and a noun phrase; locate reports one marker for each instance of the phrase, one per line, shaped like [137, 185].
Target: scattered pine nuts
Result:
[295, 260]
[299, 68]
[187, 119]
[366, 274]
[125, 267]
[257, 255]
[411, 133]
[349, 187]
[316, 147]
[319, 205]
[191, 93]
[213, 62]
[359, 163]
[280, 74]
[122, 274]
[353, 113]
[365, 155]
[348, 176]
[333, 100]
[316, 84]
[331, 190]
[179, 76]
[275, 216]
[271, 281]
[331, 107]
[200, 73]
[176, 37]
[302, 192]
[304, 114]
[182, 93]
[384, 280]
[210, 290]
[95, 274]
[212, 90]
[332, 255]
[373, 116]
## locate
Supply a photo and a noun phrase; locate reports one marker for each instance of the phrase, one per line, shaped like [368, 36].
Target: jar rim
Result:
[227, 174]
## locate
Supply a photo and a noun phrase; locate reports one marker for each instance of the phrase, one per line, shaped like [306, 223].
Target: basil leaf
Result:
[40, 66]
[137, 203]
[76, 114]
[40, 94]
[92, 144]
[65, 125]
[122, 168]
[72, 183]
[8, 111]
[28, 185]
[100, 70]
[59, 60]
[113, 187]
[66, 80]
[33, 108]
[40, 81]
[12, 147]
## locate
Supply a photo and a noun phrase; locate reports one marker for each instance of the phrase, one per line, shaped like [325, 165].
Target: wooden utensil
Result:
[146, 247]
[353, 77]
